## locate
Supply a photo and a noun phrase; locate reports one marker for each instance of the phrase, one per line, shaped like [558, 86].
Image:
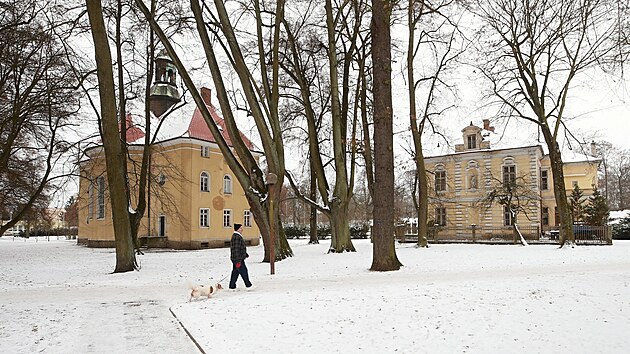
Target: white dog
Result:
[203, 290]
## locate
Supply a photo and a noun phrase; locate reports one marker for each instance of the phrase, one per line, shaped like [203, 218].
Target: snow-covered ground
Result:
[57, 297]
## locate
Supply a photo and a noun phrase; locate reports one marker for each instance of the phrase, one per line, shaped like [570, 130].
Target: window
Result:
[227, 184]
[440, 216]
[509, 174]
[472, 141]
[227, 217]
[162, 226]
[205, 151]
[440, 181]
[544, 180]
[204, 217]
[507, 217]
[556, 217]
[204, 184]
[91, 200]
[247, 218]
[545, 216]
[100, 182]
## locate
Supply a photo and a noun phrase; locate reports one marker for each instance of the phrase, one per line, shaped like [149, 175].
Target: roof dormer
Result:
[473, 139]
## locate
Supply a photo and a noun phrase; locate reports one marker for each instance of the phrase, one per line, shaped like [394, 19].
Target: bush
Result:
[621, 231]
[296, 231]
[359, 230]
[323, 231]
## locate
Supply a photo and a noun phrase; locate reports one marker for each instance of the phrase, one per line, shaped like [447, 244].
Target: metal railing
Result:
[506, 234]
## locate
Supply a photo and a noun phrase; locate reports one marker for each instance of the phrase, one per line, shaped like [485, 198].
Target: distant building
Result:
[194, 197]
[458, 181]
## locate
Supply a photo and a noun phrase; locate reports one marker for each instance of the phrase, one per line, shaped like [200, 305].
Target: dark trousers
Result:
[242, 270]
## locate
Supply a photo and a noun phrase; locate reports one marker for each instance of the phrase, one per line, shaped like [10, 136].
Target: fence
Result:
[506, 234]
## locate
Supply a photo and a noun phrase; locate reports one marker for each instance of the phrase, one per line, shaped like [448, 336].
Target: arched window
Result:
[227, 184]
[204, 182]
[509, 171]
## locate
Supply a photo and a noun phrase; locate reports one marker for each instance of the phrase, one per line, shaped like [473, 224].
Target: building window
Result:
[544, 180]
[205, 151]
[162, 226]
[556, 217]
[100, 183]
[472, 141]
[227, 184]
[247, 218]
[440, 216]
[440, 181]
[204, 217]
[204, 182]
[227, 218]
[91, 200]
[507, 217]
[545, 216]
[509, 174]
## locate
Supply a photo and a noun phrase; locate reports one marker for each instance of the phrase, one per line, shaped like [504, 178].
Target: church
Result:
[193, 200]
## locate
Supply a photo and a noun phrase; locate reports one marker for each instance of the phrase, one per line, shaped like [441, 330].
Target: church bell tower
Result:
[163, 93]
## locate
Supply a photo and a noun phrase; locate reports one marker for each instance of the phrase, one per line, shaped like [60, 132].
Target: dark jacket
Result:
[238, 251]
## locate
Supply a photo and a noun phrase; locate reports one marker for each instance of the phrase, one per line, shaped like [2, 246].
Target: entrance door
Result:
[162, 226]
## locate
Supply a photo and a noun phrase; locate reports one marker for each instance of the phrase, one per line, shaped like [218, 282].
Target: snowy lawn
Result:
[58, 297]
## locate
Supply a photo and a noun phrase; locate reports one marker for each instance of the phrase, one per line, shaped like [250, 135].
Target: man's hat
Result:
[237, 226]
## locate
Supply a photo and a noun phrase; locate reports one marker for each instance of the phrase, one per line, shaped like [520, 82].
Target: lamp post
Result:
[271, 179]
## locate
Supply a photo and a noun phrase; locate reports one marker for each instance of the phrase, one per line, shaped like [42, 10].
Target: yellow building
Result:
[194, 197]
[459, 182]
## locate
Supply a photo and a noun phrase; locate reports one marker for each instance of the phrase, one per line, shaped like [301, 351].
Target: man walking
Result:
[238, 253]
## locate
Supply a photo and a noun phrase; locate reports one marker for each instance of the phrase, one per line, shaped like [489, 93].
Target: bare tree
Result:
[434, 44]
[344, 23]
[384, 253]
[114, 155]
[532, 51]
[261, 97]
[37, 103]
[515, 195]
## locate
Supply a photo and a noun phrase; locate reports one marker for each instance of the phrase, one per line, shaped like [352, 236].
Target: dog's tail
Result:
[189, 284]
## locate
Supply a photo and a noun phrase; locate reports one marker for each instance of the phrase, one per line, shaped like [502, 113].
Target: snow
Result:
[58, 297]
[617, 215]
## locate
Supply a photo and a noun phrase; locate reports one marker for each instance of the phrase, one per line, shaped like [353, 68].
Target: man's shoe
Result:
[250, 288]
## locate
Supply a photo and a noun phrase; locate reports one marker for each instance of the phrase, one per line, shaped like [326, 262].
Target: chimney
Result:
[486, 125]
[206, 95]
[593, 148]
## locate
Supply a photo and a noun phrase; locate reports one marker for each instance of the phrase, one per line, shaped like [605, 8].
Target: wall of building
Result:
[178, 198]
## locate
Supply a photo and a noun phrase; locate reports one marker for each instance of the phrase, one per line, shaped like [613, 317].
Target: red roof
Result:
[133, 132]
[199, 129]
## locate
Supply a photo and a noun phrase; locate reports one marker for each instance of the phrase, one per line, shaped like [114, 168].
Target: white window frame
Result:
[439, 186]
[100, 210]
[544, 186]
[227, 218]
[204, 218]
[471, 139]
[227, 184]
[507, 217]
[91, 199]
[204, 181]
[247, 218]
[440, 216]
[205, 151]
[506, 172]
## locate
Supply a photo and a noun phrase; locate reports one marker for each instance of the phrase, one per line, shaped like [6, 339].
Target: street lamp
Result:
[271, 180]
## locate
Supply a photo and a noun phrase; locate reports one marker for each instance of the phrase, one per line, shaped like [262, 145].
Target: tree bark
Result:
[115, 160]
[384, 251]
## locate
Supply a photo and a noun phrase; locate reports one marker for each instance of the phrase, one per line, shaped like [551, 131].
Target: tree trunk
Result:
[340, 232]
[313, 219]
[566, 224]
[115, 160]
[384, 251]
